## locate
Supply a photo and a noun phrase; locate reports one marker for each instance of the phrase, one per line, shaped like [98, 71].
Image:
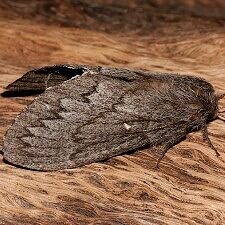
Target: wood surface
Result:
[159, 35]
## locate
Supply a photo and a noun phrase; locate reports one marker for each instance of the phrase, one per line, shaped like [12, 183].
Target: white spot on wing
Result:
[127, 126]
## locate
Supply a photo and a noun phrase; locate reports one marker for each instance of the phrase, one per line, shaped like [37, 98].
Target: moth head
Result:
[209, 99]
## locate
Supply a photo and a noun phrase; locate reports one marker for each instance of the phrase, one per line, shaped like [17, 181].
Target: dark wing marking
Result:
[36, 81]
[97, 116]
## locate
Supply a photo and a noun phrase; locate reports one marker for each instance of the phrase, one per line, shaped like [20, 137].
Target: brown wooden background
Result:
[159, 35]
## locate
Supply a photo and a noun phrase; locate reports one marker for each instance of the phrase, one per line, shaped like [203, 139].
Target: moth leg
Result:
[206, 138]
[165, 150]
[169, 144]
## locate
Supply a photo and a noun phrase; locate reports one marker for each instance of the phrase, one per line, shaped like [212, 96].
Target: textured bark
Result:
[188, 188]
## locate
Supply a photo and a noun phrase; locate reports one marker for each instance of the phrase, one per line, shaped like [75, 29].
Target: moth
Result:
[88, 114]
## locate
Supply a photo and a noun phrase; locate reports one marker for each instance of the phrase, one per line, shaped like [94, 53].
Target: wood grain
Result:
[189, 187]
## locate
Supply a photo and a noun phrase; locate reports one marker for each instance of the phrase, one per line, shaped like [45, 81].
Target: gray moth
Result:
[88, 114]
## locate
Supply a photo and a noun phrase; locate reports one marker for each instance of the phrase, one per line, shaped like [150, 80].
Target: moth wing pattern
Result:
[70, 125]
[96, 116]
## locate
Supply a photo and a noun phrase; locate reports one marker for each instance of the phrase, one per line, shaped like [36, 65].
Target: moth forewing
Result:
[106, 112]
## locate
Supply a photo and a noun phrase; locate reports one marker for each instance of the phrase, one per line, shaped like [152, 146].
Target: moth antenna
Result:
[206, 138]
